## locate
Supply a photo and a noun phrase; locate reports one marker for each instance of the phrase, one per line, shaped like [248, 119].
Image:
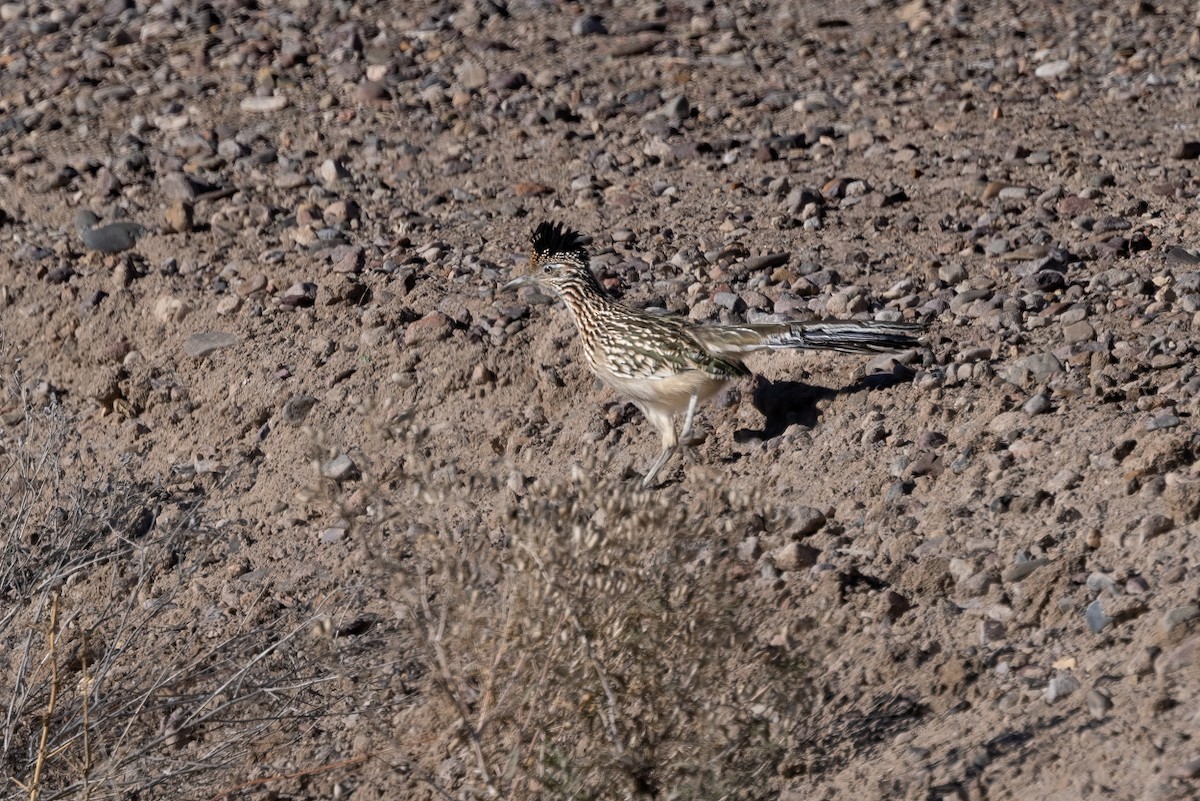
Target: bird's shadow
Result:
[787, 403]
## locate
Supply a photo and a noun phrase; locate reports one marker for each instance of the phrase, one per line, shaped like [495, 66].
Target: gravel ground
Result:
[305, 212]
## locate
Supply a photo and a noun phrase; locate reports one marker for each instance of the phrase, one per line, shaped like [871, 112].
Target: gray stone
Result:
[296, 409]
[990, 631]
[1022, 570]
[748, 550]
[729, 300]
[677, 108]
[204, 343]
[1060, 686]
[1014, 193]
[808, 521]
[1036, 369]
[472, 75]
[299, 294]
[112, 238]
[340, 468]
[1178, 618]
[264, 105]
[333, 535]
[588, 25]
[1184, 656]
[333, 172]
[1079, 332]
[179, 186]
[1036, 405]
[952, 273]
[1096, 619]
[802, 197]
[1098, 704]
[1099, 582]
[1009, 701]
[997, 246]
[768, 261]
[1153, 525]
[978, 584]
[1163, 421]
[1052, 69]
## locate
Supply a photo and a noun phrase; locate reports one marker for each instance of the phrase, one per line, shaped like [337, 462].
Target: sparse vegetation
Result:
[591, 646]
[121, 700]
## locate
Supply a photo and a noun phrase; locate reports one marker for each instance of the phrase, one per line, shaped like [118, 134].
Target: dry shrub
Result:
[591, 642]
[117, 681]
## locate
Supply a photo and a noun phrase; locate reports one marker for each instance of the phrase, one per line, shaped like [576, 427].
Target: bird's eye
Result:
[548, 268]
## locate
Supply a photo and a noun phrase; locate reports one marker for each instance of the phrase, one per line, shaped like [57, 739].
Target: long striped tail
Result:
[846, 336]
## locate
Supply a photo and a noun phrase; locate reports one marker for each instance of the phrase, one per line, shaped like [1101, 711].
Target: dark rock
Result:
[299, 295]
[589, 25]
[1187, 151]
[112, 238]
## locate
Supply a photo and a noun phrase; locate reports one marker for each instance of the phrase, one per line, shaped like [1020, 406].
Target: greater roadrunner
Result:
[668, 365]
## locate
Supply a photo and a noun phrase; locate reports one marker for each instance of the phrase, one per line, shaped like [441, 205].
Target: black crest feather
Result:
[553, 240]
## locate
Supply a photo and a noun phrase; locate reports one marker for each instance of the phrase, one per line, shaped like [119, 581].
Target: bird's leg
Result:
[663, 457]
[689, 437]
[664, 421]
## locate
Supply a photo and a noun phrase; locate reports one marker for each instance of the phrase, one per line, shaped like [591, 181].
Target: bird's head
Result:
[559, 259]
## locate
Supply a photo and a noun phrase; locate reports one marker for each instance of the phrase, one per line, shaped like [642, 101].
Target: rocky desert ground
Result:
[297, 504]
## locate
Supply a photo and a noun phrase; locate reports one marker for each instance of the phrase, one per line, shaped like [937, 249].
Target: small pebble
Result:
[178, 217]
[1179, 618]
[205, 343]
[299, 295]
[333, 172]
[331, 536]
[1060, 687]
[1036, 405]
[296, 408]
[1096, 619]
[1022, 570]
[1052, 69]
[588, 25]
[1098, 704]
[340, 468]
[1163, 421]
[264, 105]
[1153, 525]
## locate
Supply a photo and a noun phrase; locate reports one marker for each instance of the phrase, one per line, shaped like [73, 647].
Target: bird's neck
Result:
[586, 301]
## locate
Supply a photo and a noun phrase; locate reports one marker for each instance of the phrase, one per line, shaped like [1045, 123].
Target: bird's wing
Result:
[653, 346]
[734, 340]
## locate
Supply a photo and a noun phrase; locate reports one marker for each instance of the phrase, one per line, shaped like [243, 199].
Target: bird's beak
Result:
[520, 281]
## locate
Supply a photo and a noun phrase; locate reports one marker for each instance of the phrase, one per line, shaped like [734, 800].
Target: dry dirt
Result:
[298, 505]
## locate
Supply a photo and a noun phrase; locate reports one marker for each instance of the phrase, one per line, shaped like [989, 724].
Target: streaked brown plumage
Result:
[668, 365]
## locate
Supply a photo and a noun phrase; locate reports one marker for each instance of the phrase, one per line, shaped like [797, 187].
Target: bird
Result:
[668, 365]
[112, 238]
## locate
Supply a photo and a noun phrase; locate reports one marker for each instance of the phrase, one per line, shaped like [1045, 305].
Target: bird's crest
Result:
[554, 243]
